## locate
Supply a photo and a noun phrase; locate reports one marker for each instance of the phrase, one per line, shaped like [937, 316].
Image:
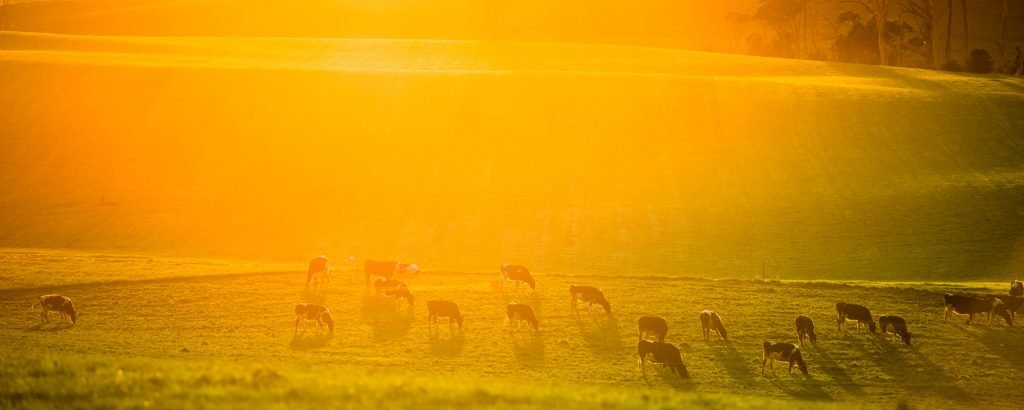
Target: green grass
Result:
[568, 158]
[200, 341]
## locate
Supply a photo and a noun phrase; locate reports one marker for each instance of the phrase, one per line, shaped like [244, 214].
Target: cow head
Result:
[69, 309]
[327, 319]
[797, 358]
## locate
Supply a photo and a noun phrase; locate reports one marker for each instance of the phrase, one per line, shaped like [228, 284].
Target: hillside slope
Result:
[464, 155]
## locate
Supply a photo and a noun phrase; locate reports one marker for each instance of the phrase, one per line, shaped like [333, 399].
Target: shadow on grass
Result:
[667, 376]
[600, 333]
[734, 363]
[304, 343]
[826, 364]
[42, 327]
[1006, 342]
[894, 359]
[451, 346]
[527, 346]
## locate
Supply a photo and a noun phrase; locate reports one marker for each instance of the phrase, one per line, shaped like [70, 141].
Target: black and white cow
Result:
[308, 312]
[712, 322]
[590, 295]
[854, 312]
[660, 353]
[896, 326]
[518, 274]
[519, 312]
[971, 305]
[653, 325]
[805, 329]
[319, 272]
[388, 269]
[443, 308]
[783, 352]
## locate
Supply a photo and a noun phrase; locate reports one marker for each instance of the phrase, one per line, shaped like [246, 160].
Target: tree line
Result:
[900, 33]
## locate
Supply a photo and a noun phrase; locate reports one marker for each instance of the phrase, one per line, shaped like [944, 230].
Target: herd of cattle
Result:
[651, 346]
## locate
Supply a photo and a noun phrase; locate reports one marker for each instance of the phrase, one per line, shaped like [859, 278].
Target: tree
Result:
[794, 24]
[967, 31]
[4, 24]
[739, 22]
[926, 11]
[1001, 53]
[880, 10]
[949, 32]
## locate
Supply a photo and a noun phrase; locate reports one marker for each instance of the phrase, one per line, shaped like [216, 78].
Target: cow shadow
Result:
[1006, 342]
[666, 376]
[600, 334]
[301, 342]
[893, 359]
[451, 346]
[527, 347]
[43, 327]
[312, 296]
[797, 385]
[819, 355]
[393, 327]
[734, 363]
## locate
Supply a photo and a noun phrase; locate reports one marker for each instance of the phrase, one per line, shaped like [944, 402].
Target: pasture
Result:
[227, 339]
[570, 158]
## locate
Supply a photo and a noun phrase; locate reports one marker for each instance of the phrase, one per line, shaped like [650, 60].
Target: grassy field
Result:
[461, 155]
[228, 340]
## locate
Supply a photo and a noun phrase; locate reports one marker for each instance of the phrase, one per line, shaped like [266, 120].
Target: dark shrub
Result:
[980, 62]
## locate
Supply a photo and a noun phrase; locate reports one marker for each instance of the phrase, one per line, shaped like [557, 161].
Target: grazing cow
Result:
[313, 313]
[1013, 303]
[443, 308]
[653, 325]
[805, 329]
[854, 312]
[661, 353]
[1016, 288]
[518, 313]
[970, 306]
[392, 288]
[517, 274]
[783, 352]
[318, 271]
[59, 304]
[387, 269]
[711, 321]
[588, 294]
[896, 326]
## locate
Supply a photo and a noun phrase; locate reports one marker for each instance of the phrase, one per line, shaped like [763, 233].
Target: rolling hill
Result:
[461, 155]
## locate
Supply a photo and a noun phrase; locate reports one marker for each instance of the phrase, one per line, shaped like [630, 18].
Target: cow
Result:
[805, 329]
[712, 322]
[443, 308]
[590, 295]
[518, 274]
[518, 313]
[660, 353]
[896, 326]
[57, 303]
[318, 271]
[1017, 288]
[1013, 303]
[653, 325]
[783, 352]
[387, 269]
[313, 313]
[854, 312]
[970, 306]
[392, 288]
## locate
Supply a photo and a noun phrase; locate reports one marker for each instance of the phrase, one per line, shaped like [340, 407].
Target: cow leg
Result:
[764, 361]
